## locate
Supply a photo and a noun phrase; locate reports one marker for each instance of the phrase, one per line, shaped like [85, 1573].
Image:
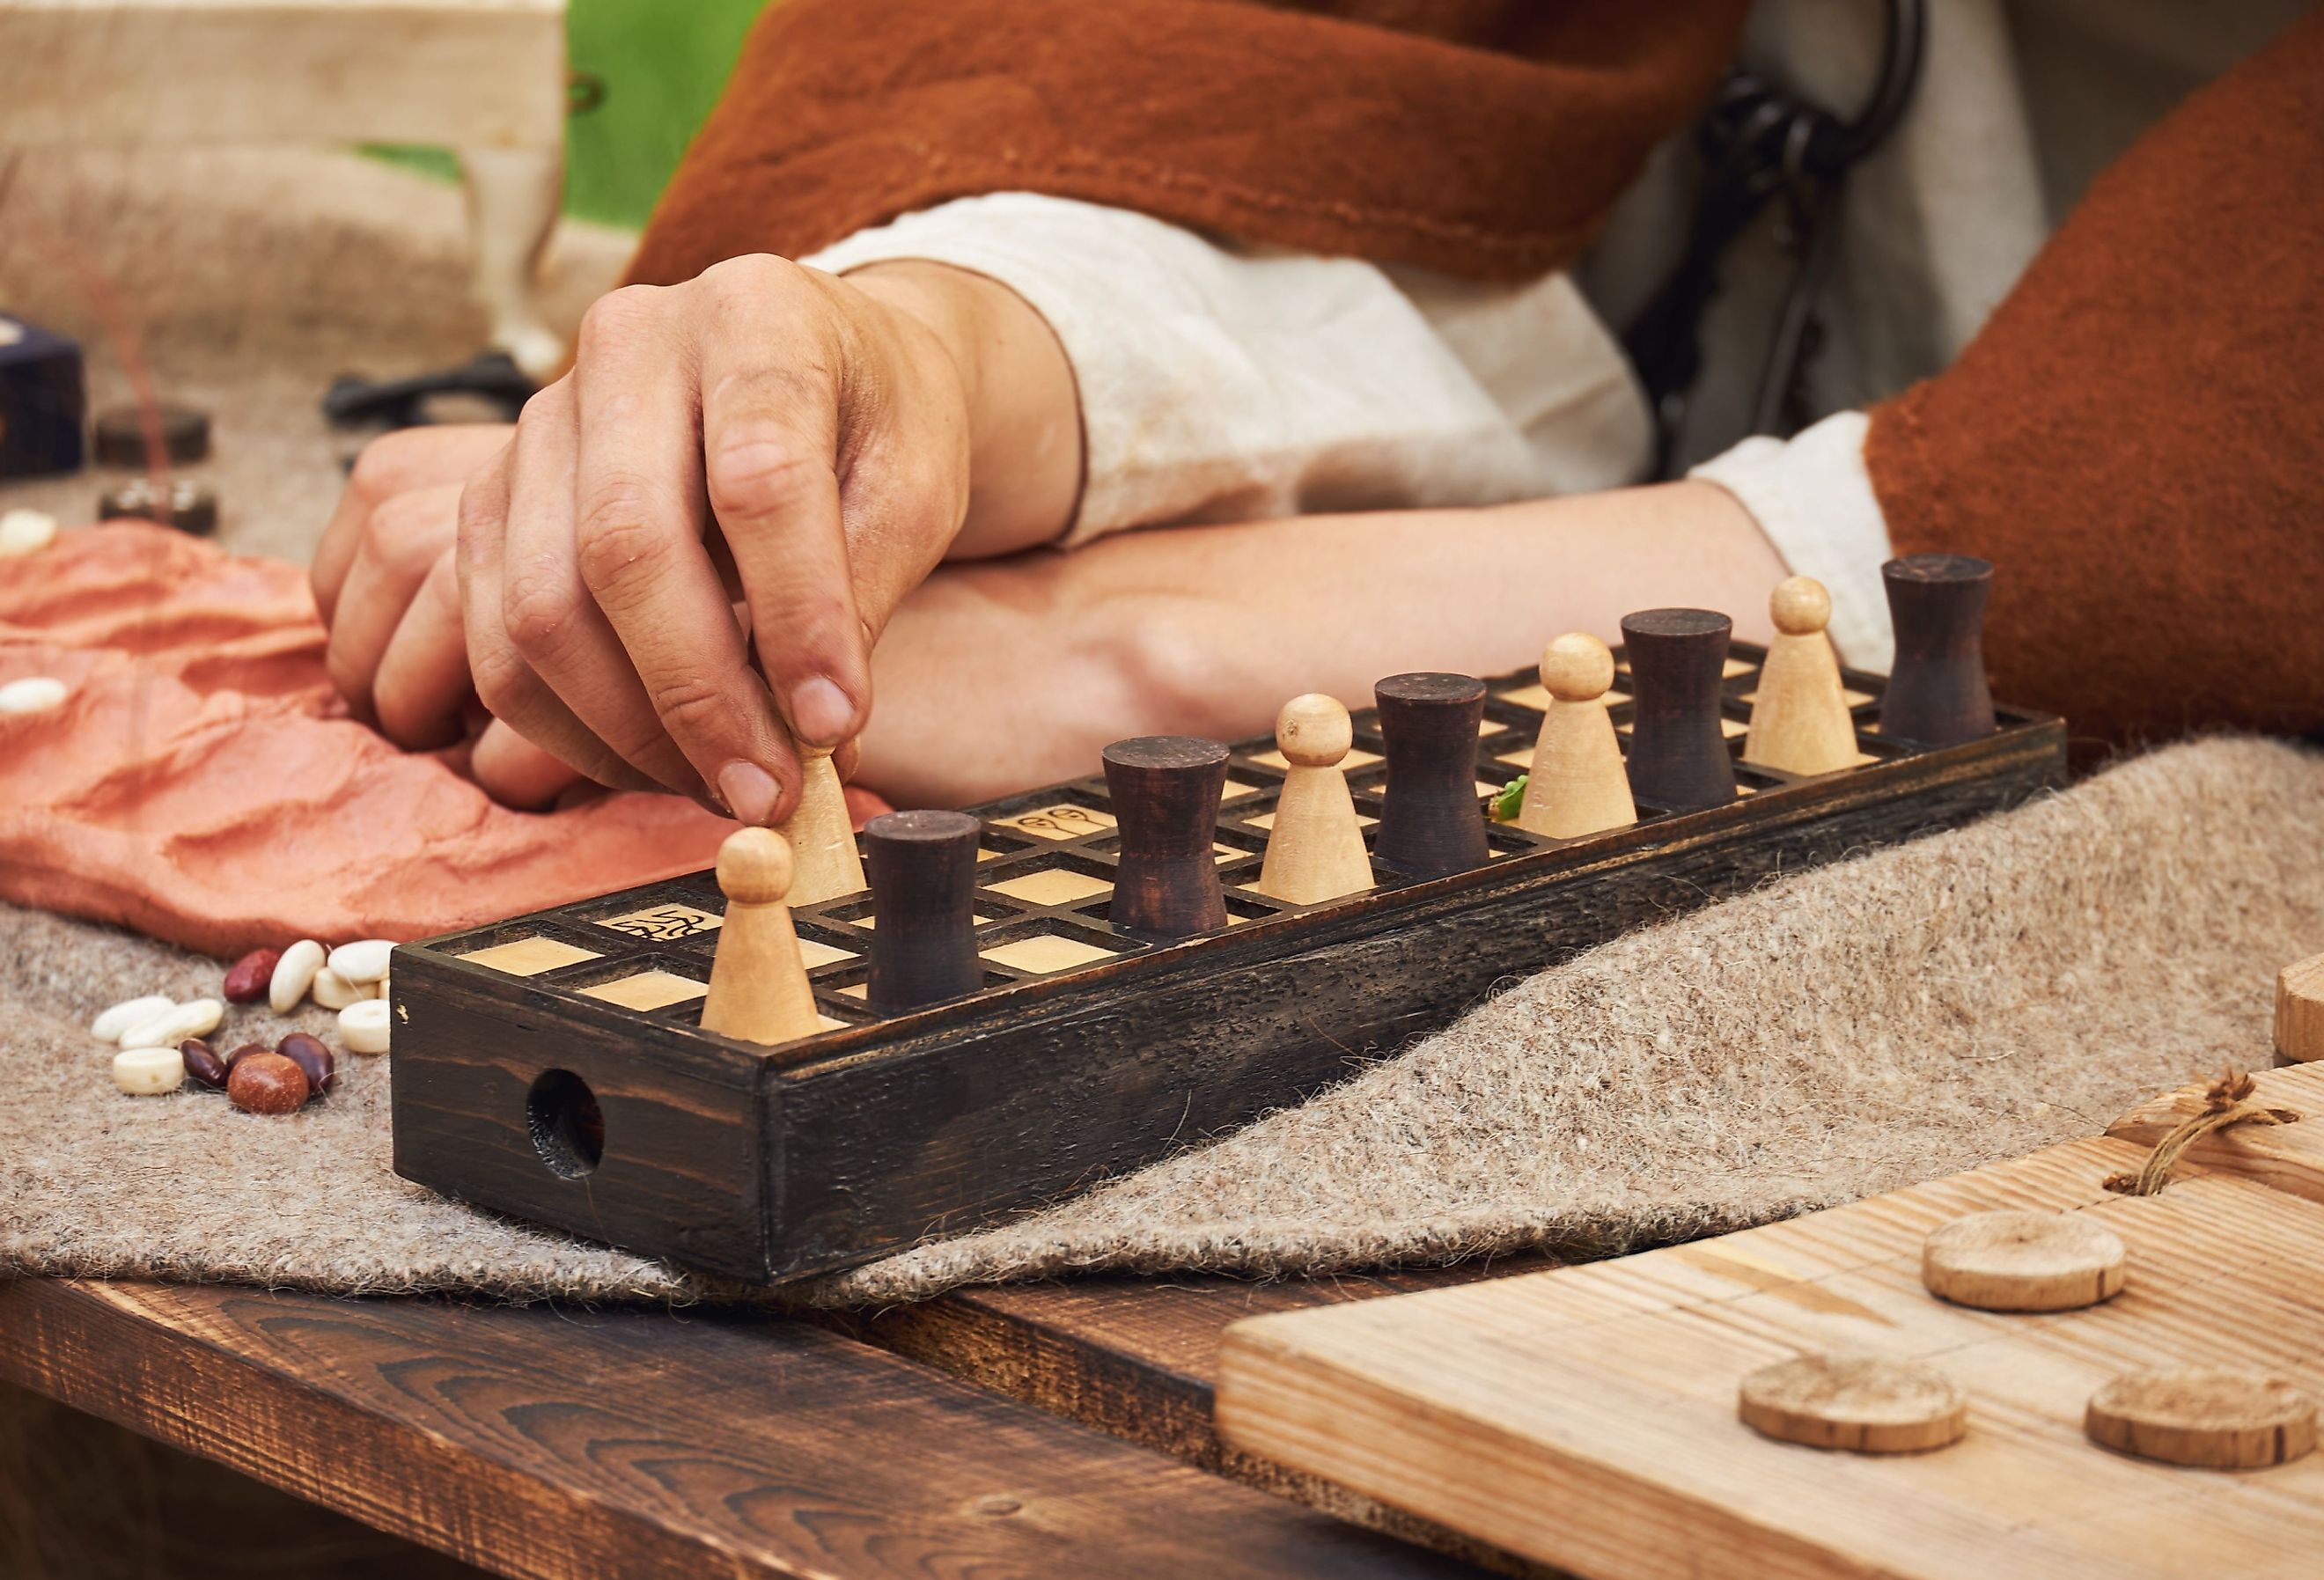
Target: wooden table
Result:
[1057, 1430]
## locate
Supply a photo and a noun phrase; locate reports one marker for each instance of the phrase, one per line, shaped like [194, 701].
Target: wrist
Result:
[1021, 405]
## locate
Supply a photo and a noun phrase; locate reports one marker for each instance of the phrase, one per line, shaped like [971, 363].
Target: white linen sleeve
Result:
[1224, 383]
[1813, 498]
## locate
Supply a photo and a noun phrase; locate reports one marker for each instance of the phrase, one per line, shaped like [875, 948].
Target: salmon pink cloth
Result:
[202, 782]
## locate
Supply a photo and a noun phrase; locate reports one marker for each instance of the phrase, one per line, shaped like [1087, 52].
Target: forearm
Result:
[994, 678]
[1025, 434]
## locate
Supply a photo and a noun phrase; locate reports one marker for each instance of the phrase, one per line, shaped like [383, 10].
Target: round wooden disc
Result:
[1854, 1401]
[2204, 1416]
[2023, 1261]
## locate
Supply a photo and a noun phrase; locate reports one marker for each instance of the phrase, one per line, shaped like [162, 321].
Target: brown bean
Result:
[204, 1068]
[312, 1054]
[266, 1083]
[237, 1055]
[247, 980]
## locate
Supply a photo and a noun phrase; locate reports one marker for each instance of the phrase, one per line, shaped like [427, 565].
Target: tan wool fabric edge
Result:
[1918, 1010]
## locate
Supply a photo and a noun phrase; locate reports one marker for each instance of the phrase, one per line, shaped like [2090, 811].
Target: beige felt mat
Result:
[1914, 1013]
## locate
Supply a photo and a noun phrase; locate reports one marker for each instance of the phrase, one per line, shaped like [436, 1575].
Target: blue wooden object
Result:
[43, 401]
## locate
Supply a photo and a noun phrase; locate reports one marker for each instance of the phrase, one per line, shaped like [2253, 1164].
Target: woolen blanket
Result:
[1909, 1013]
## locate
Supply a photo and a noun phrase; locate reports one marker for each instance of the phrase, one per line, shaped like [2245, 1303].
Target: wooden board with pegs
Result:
[1587, 1417]
[553, 1065]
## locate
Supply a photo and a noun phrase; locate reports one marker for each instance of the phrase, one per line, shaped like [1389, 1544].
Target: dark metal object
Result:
[1759, 142]
[1431, 822]
[1679, 758]
[188, 506]
[121, 437]
[1165, 792]
[1938, 692]
[402, 403]
[922, 867]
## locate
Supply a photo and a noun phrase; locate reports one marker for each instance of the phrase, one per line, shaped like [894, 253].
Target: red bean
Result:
[247, 980]
[313, 1057]
[266, 1083]
[204, 1068]
[239, 1054]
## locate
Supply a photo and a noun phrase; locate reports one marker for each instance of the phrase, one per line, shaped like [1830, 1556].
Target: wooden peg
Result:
[1860, 1402]
[1165, 791]
[1577, 784]
[2299, 1012]
[1678, 755]
[2212, 1419]
[2013, 1260]
[822, 835]
[758, 989]
[1800, 721]
[1430, 820]
[923, 898]
[1316, 850]
[1937, 693]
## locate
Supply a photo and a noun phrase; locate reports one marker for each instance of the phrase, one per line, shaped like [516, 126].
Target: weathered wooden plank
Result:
[1587, 1417]
[560, 1444]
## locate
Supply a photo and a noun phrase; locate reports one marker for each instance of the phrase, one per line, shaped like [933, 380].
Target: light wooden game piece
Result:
[1859, 1403]
[1937, 693]
[1800, 721]
[1577, 784]
[2014, 1260]
[1316, 849]
[822, 835]
[1430, 820]
[1165, 791]
[2212, 1419]
[759, 990]
[1678, 753]
[923, 897]
[2299, 1012]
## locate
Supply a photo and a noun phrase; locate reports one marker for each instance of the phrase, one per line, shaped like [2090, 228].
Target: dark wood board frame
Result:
[766, 1164]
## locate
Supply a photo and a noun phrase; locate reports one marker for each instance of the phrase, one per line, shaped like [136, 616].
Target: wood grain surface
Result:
[559, 1443]
[1587, 1417]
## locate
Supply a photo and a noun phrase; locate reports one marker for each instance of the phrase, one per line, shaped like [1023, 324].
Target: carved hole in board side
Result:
[567, 1126]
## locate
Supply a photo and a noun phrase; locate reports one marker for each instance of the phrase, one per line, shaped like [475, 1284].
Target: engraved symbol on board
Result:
[662, 924]
[1059, 822]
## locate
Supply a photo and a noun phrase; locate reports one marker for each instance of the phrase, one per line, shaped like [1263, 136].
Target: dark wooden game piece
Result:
[923, 888]
[1678, 757]
[1430, 820]
[43, 401]
[184, 505]
[121, 437]
[1165, 791]
[1937, 692]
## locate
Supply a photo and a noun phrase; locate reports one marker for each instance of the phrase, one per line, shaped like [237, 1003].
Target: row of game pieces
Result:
[1165, 791]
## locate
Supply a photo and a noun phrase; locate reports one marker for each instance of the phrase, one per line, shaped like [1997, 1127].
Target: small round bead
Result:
[25, 532]
[1577, 668]
[363, 961]
[266, 1083]
[1800, 606]
[148, 1072]
[363, 1027]
[1313, 731]
[334, 992]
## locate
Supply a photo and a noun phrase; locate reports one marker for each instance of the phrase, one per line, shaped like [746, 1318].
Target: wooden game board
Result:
[1586, 1417]
[552, 1066]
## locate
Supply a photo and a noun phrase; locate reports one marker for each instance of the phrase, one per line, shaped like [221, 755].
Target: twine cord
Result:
[2225, 1103]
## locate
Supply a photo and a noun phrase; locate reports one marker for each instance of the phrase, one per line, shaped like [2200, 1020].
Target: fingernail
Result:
[748, 790]
[821, 713]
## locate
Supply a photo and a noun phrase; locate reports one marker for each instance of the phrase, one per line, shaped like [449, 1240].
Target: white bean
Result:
[364, 961]
[294, 974]
[334, 992]
[109, 1026]
[25, 532]
[33, 693]
[173, 1025]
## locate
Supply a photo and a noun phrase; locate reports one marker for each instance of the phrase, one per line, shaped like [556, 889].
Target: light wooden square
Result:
[648, 990]
[813, 953]
[530, 956]
[1538, 699]
[1355, 758]
[1728, 727]
[1852, 697]
[1057, 886]
[1266, 820]
[1047, 953]
[663, 924]
[1065, 820]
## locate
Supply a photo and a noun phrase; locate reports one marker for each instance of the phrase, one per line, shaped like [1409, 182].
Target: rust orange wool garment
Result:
[201, 781]
[2137, 438]
[1483, 137]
